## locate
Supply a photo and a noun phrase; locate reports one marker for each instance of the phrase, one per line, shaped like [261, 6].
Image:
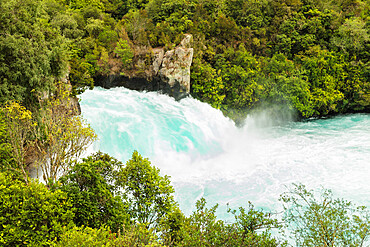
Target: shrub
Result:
[251, 228]
[17, 124]
[31, 215]
[124, 51]
[323, 220]
[89, 237]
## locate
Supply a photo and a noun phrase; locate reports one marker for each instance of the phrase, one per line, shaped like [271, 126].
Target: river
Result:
[206, 155]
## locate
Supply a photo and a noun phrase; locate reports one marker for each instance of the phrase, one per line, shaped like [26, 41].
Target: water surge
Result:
[207, 155]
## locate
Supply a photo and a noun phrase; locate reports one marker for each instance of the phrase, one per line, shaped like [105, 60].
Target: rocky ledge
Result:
[169, 72]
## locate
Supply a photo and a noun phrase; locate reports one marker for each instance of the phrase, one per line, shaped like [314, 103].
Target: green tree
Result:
[322, 220]
[123, 50]
[80, 75]
[241, 76]
[248, 13]
[149, 195]
[207, 83]
[203, 228]
[19, 126]
[352, 35]
[252, 227]
[7, 162]
[171, 227]
[324, 72]
[32, 54]
[91, 185]
[79, 4]
[62, 137]
[94, 27]
[67, 25]
[285, 86]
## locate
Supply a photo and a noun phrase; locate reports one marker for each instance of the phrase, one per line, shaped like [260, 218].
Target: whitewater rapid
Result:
[206, 155]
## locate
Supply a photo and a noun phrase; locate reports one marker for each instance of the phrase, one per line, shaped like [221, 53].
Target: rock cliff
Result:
[169, 72]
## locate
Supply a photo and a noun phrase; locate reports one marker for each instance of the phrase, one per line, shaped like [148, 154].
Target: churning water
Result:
[206, 155]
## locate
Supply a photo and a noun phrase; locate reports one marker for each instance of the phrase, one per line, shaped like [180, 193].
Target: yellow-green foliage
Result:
[19, 126]
[136, 235]
[63, 137]
[250, 228]
[124, 51]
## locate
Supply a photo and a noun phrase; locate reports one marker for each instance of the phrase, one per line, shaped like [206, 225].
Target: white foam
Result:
[207, 155]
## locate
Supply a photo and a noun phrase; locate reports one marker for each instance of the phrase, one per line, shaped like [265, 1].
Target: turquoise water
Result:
[207, 155]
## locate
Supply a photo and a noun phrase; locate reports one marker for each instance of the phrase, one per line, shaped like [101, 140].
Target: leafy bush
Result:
[105, 192]
[250, 228]
[17, 124]
[137, 235]
[124, 51]
[31, 215]
[207, 84]
[322, 220]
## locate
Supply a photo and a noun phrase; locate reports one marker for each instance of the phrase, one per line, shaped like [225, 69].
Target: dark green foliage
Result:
[105, 192]
[80, 76]
[171, 226]
[325, 45]
[32, 54]
[91, 186]
[207, 83]
[248, 13]
[31, 215]
[108, 38]
[285, 86]
[24, 67]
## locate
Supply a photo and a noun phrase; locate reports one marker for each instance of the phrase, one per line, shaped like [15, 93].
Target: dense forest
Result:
[310, 56]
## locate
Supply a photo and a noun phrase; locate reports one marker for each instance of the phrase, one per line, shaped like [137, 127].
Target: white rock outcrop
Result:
[169, 72]
[175, 69]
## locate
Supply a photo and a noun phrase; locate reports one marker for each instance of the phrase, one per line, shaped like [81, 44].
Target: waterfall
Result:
[206, 155]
